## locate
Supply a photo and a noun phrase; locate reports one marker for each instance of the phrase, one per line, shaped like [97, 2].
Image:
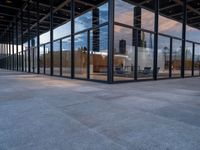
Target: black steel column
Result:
[88, 54]
[72, 37]
[155, 65]
[170, 57]
[136, 43]
[22, 39]
[137, 18]
[183, 38]
[29, 53]
[193, 57]
[9, 53]
[96, 32]
[13, 42]
[51, 36]
[38, 39]
[17, 42]
[60, 57]
[44, 59]
[110, 40]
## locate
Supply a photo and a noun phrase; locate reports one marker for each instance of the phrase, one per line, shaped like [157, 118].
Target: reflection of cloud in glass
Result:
[62, 31]
[84, 21]
[147, 20]
[45, 37]
[123, 12]
[103, 13]
[66, 44]
[192, 34]
[170, 27]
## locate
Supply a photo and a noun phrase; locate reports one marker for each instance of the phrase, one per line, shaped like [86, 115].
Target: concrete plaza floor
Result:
[48, 113]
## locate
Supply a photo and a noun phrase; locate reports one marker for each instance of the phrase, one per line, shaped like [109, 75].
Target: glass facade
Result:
[108, 40]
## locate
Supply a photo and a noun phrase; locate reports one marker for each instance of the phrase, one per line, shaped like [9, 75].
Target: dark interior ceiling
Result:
[11, 9]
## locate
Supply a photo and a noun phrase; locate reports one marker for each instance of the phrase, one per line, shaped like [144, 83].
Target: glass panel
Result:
[170, 18]
[170, 27]
[35, 60]
[19, 61]
[58, 32]
[83, 22]
[93, 18]
[41, 59]
[145, 55]
[188, 59]
[99, 53]
[11, 57]
[47, 59]
[32, 54]
[124, 55]
[176, 58]
[163, 56]
[124, 10]
[192, 34]
[56, 57]
[15, 58]
[26, 60]
[103, 13]
[45, 38]
[80, 55]
[128, 13]
[66, 57]
[197, 60]
[62, 23]
[192, 27]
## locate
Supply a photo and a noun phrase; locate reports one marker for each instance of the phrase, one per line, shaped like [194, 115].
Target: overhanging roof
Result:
[10, 10]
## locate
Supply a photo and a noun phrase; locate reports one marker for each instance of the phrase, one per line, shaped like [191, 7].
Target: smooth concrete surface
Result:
[48, 113]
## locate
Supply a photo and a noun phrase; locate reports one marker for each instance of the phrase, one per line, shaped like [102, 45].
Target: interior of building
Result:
[101, 40]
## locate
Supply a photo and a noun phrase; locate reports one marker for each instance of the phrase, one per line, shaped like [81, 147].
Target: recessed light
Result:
[8, 1]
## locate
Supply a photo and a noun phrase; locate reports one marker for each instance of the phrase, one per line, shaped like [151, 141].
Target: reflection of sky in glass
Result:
[197, 52]
[124, 14]
[103, 13]
[192, 34]
[62, 31]
[45, 37]
[80, 41]
[47, 48]
[170, 27]
[84, 21]
[56, 46]
[103, 39]
[66, 44]
[176, 47]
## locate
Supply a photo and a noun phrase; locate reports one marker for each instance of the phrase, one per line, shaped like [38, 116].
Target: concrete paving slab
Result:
[40, 112]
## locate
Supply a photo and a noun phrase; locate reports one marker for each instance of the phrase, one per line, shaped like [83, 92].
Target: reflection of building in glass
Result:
[122, 46]
[99, 43]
